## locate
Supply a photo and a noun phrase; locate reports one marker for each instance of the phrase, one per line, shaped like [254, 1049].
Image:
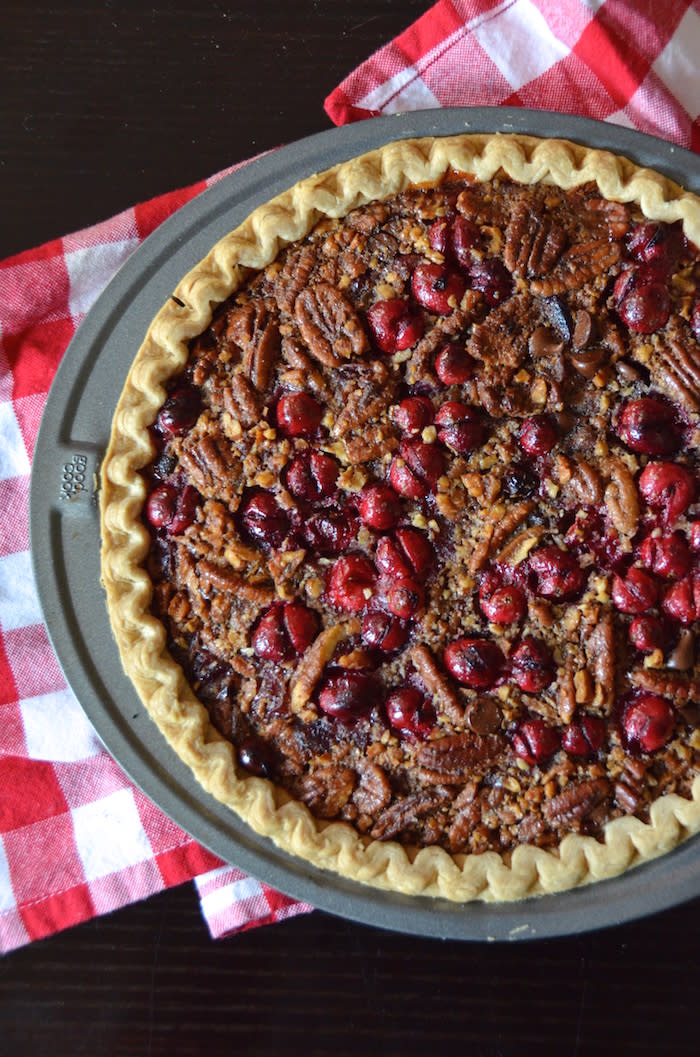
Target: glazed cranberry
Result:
[330, 531]
[437, 288]
[647, 723]
[394, 325]
[647, 426]
[298, 415]
[351, 583]
[312, 476]
[476, 663]
[669, 487]
[171, 508]
[383, 632]
[584, 736]
[414, 474]
[646, 309]
[345, 695]
[493, 279]
[648, 633]
[284, 631]
[501, 603]
[534, 741]
[379, 506]
[465, 236]
[438, 234]
[666, 555]
[256, 757]
[414, 413]
[263, 520]
[681, 601]
[408, 711]
[537, 436]
[460, 427]
[408, 553]
[695, 537]
[657, 244]
[405, 598]
[519, 482]
[454, 365]
[160, 505]
[636, 592]
[179, 412]
[532, 665]
[558, 574]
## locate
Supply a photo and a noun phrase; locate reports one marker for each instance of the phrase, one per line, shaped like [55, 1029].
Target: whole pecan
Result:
[329, 325]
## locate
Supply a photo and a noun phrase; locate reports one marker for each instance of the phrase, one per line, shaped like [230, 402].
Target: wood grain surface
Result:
[102, 105]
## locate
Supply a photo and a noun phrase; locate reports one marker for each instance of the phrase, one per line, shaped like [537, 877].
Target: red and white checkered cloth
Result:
[76, 838]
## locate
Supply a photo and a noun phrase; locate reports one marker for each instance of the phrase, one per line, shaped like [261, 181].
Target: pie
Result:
[400, 518]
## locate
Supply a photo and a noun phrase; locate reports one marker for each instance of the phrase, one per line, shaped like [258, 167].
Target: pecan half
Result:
[405, 813]
[533, 242]
[600, 655]
[437, 684]
[621, 497]
[576, 801]
[329, 325]
[373, 792]
[326, 790]
[577, 266]
[241, 400]
[453, 759]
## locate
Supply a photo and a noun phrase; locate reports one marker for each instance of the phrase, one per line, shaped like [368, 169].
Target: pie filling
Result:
[423, 516]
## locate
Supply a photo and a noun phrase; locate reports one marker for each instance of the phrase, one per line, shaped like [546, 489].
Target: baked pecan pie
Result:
[401, 520]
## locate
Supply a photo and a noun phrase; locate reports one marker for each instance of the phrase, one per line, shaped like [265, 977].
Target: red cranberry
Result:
[383, 632]
[256, 757]
[405, 598]
[179, 412]
[379, 506]
[437, 288]
[408, 711]
[351, 583]
[465, 236]
[666, 555]
[415, 472]
[643, 306]
[657, 244]
[648, 427]
[647, 723]
[537, 436]
[681, 601]
[345, 695]
[264, 520]
[648, 633]
[408, 553]
[414, 413]
[312, 476]
[534, 741]
[695, 537]
[460, 427]
[558, 574]
[636, 592]
[438, 234]
[454, 365]
[476, 663]
[669, 487]
[298, 414]
[172, 508]
[330, 531]
[501, 603]
[284, 631]
[584, 736]
[493, 279]
[532, 665]
[394, 325]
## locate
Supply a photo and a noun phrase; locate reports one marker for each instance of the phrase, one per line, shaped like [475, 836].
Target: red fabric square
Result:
[42, 858]
[46, 916]
[435, 25]
[184, 863]
[152, 213]
[14, 530]
[30, 792]
[35, 353]
[8, 687]
[12, 739]
[39, 253]
[33, 292]
[32, 661]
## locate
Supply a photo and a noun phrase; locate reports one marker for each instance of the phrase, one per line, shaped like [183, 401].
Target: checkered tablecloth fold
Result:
[76, 838]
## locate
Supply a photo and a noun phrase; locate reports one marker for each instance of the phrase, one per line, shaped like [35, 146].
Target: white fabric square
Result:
[90, 269]
[13, 454]
[222, 898]
[502, 39]
[620, 118]
[7, 895]
[19, 602]
[56, 728]
[109, 835]
[677, 65]
[415, 96]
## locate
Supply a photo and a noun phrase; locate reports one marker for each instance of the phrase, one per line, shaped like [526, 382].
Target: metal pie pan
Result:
[65, 542]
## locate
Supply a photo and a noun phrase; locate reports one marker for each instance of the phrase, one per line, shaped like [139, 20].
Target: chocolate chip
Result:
[683, 656]
[544, 343]
[483, 716]
[587, 361]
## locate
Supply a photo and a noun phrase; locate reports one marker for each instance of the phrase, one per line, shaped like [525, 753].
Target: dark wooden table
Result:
[101, 105]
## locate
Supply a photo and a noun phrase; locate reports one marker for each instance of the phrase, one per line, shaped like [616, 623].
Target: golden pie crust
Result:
[141, 638]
